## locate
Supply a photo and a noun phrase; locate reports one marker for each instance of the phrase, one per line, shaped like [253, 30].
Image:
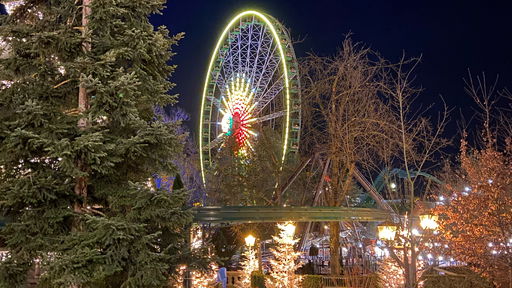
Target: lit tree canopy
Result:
[476, 221]
[284, 264]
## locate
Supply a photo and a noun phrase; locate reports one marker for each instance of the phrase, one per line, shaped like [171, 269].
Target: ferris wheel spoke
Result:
[268, 70]
[264, 65]
[269, 117]
[215, 142]
[263, 29]
[239, 42]
[269, 95]
[248, 46]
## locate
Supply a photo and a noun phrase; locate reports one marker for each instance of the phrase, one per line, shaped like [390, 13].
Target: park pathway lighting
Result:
[250, 240]
[289, 229]
[429, 222]
[387, 231]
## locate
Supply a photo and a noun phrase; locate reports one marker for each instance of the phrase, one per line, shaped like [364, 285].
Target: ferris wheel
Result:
[252, 83]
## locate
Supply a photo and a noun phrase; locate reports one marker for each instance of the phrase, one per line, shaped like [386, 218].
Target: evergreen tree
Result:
[284, 264]
[74, 182]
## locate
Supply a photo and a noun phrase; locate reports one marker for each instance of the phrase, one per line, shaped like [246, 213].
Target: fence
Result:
[365, 281]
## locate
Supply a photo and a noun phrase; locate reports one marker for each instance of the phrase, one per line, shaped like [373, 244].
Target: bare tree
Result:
[419, 145]
[345, 115]
[360, 109]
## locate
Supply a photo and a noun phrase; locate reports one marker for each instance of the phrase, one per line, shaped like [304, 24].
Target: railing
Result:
[365, 281]
[260, 214]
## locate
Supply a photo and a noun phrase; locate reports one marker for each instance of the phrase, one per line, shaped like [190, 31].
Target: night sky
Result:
[451, 36]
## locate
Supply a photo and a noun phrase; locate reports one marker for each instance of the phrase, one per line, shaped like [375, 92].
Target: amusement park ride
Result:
[252, 83]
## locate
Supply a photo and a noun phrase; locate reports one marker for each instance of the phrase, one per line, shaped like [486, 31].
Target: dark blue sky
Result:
[452, 36]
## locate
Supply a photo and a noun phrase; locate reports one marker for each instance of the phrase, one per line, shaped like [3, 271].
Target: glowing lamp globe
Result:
[250, 240]
[289, 229]
[387, 231]
[429, 222]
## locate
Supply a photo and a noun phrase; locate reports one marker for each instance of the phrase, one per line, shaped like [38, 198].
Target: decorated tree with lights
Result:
[392, 274]
[79, 141]
[284, 263]
[477, 220]
[476, 215]
[249, 265]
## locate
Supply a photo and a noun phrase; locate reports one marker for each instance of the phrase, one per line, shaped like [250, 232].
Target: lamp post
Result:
[387, 232]
[429, 222]
[253, 261]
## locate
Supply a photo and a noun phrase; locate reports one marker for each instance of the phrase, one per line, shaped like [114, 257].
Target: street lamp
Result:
[289, 229]
[387, 231]
[429, 222]
[250, 240]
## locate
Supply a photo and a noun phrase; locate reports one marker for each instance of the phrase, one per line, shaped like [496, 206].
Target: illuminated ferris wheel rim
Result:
[283, 44]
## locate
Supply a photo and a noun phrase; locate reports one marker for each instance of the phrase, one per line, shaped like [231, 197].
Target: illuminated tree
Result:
[477, 220]
[284, 264]
[392, 274]
[249, 265]
[476, 215]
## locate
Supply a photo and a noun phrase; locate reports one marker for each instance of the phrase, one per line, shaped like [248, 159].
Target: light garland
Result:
[180, 276]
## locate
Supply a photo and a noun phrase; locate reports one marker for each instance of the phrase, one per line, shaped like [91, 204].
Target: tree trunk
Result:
[407, 269]
[334, 243]
[414, 268]
[83, 105]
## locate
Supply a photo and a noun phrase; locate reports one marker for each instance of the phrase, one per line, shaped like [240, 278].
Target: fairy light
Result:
[205, 279]
[393, 275]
